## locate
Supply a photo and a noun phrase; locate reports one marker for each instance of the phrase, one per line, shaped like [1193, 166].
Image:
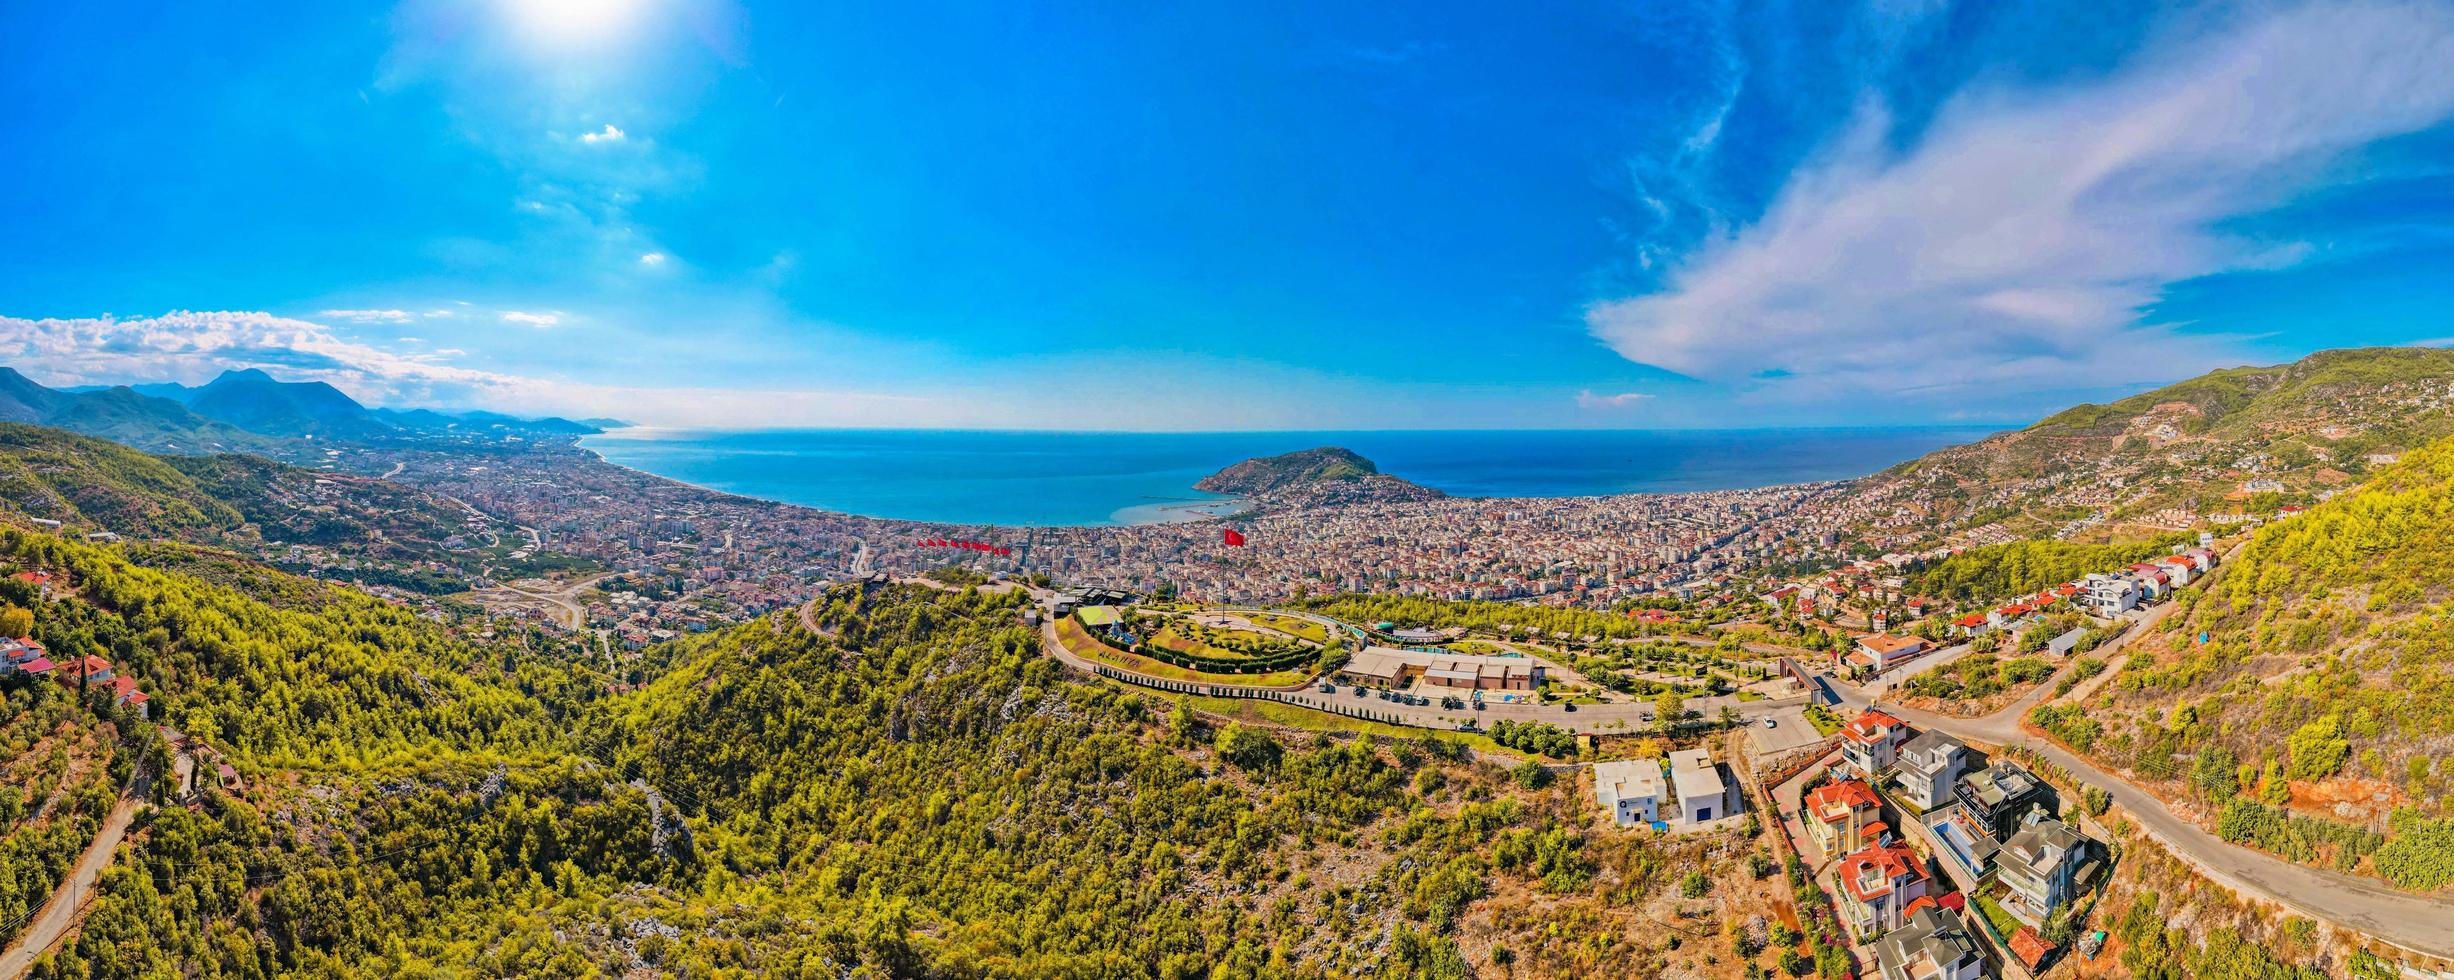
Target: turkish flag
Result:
[1235, 538]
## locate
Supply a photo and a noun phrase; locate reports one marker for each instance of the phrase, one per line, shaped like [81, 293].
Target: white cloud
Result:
[192, 347]
[1590, 402]
[537, 320]
[652, 259]
[2014, 245]
[609, 134]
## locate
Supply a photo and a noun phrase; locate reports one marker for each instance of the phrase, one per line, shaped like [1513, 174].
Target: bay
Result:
[1045, 479]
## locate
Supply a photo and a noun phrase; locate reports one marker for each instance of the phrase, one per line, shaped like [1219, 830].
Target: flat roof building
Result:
[1394, 667]
[1703, 794]
[1630, 791]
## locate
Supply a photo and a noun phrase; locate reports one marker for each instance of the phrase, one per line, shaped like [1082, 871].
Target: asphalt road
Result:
[59, 911]
[1611, 718]
[2420, 923]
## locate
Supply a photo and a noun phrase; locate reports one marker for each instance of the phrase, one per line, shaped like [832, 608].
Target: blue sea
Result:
[1107, 478]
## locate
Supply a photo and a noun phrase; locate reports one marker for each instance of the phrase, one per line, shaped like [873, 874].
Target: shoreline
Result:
[1156, 510]
[1187, 511]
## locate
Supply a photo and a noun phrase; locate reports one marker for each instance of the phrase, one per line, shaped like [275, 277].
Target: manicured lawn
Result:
[1071, 634]
[1484, 648]
[1292, 625]
[1999, 917]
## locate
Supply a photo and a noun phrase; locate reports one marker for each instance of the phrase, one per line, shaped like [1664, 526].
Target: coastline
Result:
[1188, 511]
[1076, 480]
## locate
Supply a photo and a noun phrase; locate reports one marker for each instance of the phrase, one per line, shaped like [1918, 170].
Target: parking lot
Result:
[1789, 731]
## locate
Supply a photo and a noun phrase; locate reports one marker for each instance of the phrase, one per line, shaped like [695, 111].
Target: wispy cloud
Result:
[609, 134]
[1591, 402]
[374, 316]
[2014, 246]
[527, 319]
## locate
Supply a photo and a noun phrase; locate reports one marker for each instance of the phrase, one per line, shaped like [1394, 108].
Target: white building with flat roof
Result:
[1703, 794]
[1630, 791]
[1393, 667]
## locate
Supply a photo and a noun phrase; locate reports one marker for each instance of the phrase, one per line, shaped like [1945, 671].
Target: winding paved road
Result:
[1609, 718]
[60, 911]
[2420, 923]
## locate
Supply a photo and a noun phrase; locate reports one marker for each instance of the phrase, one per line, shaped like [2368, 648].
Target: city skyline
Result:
[695, 213]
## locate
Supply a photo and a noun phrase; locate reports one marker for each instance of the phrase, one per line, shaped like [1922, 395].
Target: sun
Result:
[575, 24]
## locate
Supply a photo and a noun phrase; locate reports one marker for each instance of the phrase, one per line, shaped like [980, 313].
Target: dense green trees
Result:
[2000, 572]
[917, 792]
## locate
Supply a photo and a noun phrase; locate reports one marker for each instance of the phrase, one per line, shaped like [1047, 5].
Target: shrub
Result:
[1532, 775]
[1248, 748]
[2318, 748]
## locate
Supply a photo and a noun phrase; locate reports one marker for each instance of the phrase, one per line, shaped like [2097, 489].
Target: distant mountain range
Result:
[251, 410]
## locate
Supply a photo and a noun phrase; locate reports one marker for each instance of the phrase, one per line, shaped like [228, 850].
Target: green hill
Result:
[121, 415]
[2239, 439]
[2316, 676]
[85, 482]
[917, 792]
[1313, 477]
[91, 484]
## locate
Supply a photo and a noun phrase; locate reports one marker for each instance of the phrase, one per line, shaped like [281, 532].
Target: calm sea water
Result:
[1081, 478]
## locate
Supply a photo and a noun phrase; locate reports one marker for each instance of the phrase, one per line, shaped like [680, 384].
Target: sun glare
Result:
[568, 24]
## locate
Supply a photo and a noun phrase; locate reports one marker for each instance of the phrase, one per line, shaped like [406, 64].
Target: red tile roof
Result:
[1849, 793]
[1871, 725]
[2029, 947]
[1887, 863]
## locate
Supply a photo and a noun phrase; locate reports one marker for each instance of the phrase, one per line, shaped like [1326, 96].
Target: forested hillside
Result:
[914, 790]
[91, 484]
[2006, 571]
[926, 794]
[2309, 696]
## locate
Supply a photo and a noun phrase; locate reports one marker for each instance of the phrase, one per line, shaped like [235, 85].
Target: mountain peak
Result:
[234, 375]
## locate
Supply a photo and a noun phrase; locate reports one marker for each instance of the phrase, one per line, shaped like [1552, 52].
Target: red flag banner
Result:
[1235, 538]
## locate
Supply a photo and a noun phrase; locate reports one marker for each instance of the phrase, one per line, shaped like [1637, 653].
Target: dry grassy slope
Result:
[2312, 425]
[2346, 611]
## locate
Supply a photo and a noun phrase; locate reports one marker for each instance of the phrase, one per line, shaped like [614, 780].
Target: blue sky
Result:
[1173, 216]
